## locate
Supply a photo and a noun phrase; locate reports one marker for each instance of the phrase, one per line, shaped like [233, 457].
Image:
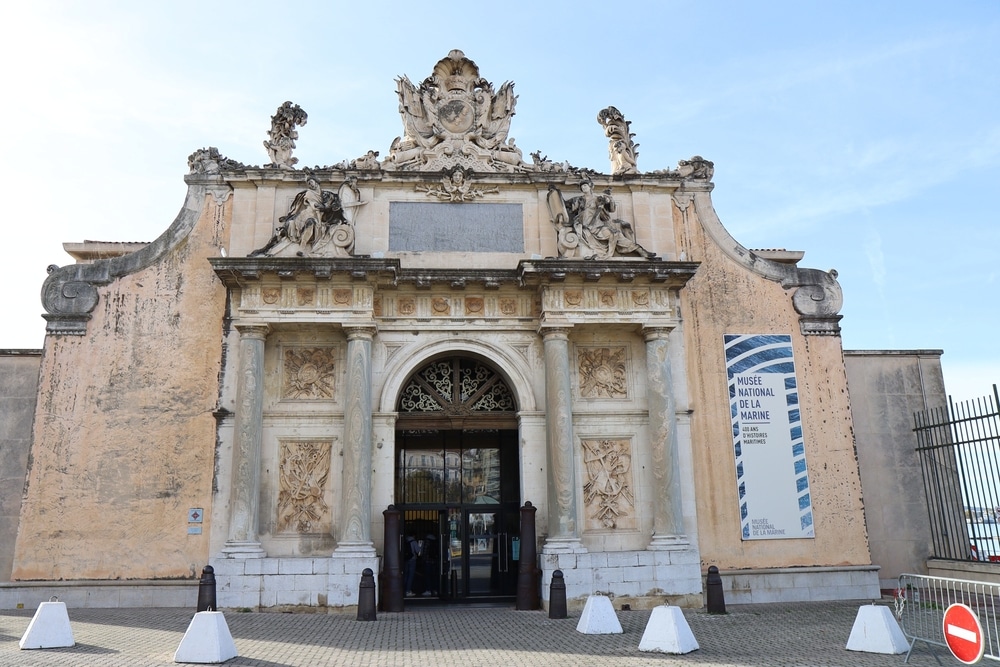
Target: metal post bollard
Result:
[715, 594]
[366, 596]
[557, 596]
[528, 584]
[206, 590]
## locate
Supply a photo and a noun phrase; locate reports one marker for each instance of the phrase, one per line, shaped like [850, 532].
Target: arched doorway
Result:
[457, 482]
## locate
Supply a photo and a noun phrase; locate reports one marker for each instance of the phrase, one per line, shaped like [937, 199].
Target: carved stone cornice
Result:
[238, 272]
[544, 271]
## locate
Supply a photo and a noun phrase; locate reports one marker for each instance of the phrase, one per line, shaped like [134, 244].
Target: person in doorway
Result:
[431, 575]
[411, 549]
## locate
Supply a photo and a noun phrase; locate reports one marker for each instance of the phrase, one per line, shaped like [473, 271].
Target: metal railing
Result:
[921, 602]
[959, 451]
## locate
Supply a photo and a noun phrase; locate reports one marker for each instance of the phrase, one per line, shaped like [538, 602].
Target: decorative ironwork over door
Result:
[448, 392]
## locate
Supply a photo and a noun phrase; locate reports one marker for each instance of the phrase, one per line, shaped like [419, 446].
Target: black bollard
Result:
[206, 589]
[528, 584]
[713, 589]
[557, 596]
[366, 596]
[391, 592]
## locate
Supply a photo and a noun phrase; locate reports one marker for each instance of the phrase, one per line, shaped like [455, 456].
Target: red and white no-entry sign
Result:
[963, 633]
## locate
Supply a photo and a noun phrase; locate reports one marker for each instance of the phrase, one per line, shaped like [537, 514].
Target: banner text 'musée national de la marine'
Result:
[771, 472]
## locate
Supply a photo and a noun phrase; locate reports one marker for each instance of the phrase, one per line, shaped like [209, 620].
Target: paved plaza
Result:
[802, 634]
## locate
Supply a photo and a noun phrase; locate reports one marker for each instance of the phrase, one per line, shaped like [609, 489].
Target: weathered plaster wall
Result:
[124, 431]
[724, 297]
[887, 387]
[18, 388]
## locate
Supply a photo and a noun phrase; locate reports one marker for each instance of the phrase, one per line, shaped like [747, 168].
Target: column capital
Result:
[549, 331]
[651, 333]
[253, 330]
[360, 331]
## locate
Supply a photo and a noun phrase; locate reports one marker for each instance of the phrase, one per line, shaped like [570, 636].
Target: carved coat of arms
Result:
[455, 117]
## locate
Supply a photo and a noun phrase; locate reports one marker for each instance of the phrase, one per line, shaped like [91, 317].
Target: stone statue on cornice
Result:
[319, 223]
[586, 227]
[621, 149]
[281, 138]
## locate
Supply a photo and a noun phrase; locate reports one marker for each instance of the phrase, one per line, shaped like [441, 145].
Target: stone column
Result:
[243, 541]
[668, 518]
[563, 536]
[356, 485]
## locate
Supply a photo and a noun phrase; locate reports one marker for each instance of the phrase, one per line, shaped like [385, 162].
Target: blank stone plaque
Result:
[420, 226]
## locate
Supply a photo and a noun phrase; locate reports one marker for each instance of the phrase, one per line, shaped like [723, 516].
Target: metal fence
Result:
[921, 602]
[959, 451]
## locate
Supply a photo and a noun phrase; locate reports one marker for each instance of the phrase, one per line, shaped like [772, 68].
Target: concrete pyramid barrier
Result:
[207, 640]
[876, 631]
[599, 617]
[49, 628]
[667, 631]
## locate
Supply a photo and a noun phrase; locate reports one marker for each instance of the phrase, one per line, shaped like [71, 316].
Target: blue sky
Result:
[865, 133]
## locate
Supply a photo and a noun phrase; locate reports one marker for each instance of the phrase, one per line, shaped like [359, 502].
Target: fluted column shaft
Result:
[559, 440]
[668, 518]
[243, 536]
[356, 513]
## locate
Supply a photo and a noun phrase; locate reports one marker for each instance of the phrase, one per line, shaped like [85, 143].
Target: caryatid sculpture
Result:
[586, 227]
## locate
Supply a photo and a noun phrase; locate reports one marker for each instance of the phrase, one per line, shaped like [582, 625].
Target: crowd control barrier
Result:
[921, 603]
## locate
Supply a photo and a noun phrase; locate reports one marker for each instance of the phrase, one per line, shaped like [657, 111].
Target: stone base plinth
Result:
[641, 579]
[261, 583]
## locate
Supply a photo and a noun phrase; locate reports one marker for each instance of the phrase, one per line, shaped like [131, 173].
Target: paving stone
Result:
[772, 635]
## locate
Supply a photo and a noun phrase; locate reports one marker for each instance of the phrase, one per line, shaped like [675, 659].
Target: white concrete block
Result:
[876, 631]
[667, 631]
[49, 628]
[598, 617]
[207, 640]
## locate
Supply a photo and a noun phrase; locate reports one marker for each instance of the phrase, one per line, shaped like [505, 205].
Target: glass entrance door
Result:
[459, 494]
[491, 548]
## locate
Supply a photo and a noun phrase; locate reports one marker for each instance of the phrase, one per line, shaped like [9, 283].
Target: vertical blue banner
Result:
[771, 475]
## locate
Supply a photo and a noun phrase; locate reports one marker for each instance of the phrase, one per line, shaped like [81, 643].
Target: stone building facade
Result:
[454, 331]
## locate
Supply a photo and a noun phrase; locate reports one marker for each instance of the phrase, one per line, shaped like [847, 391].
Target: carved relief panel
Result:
[303, 471]
[603, 372]
[308, 373]
[608, 497]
